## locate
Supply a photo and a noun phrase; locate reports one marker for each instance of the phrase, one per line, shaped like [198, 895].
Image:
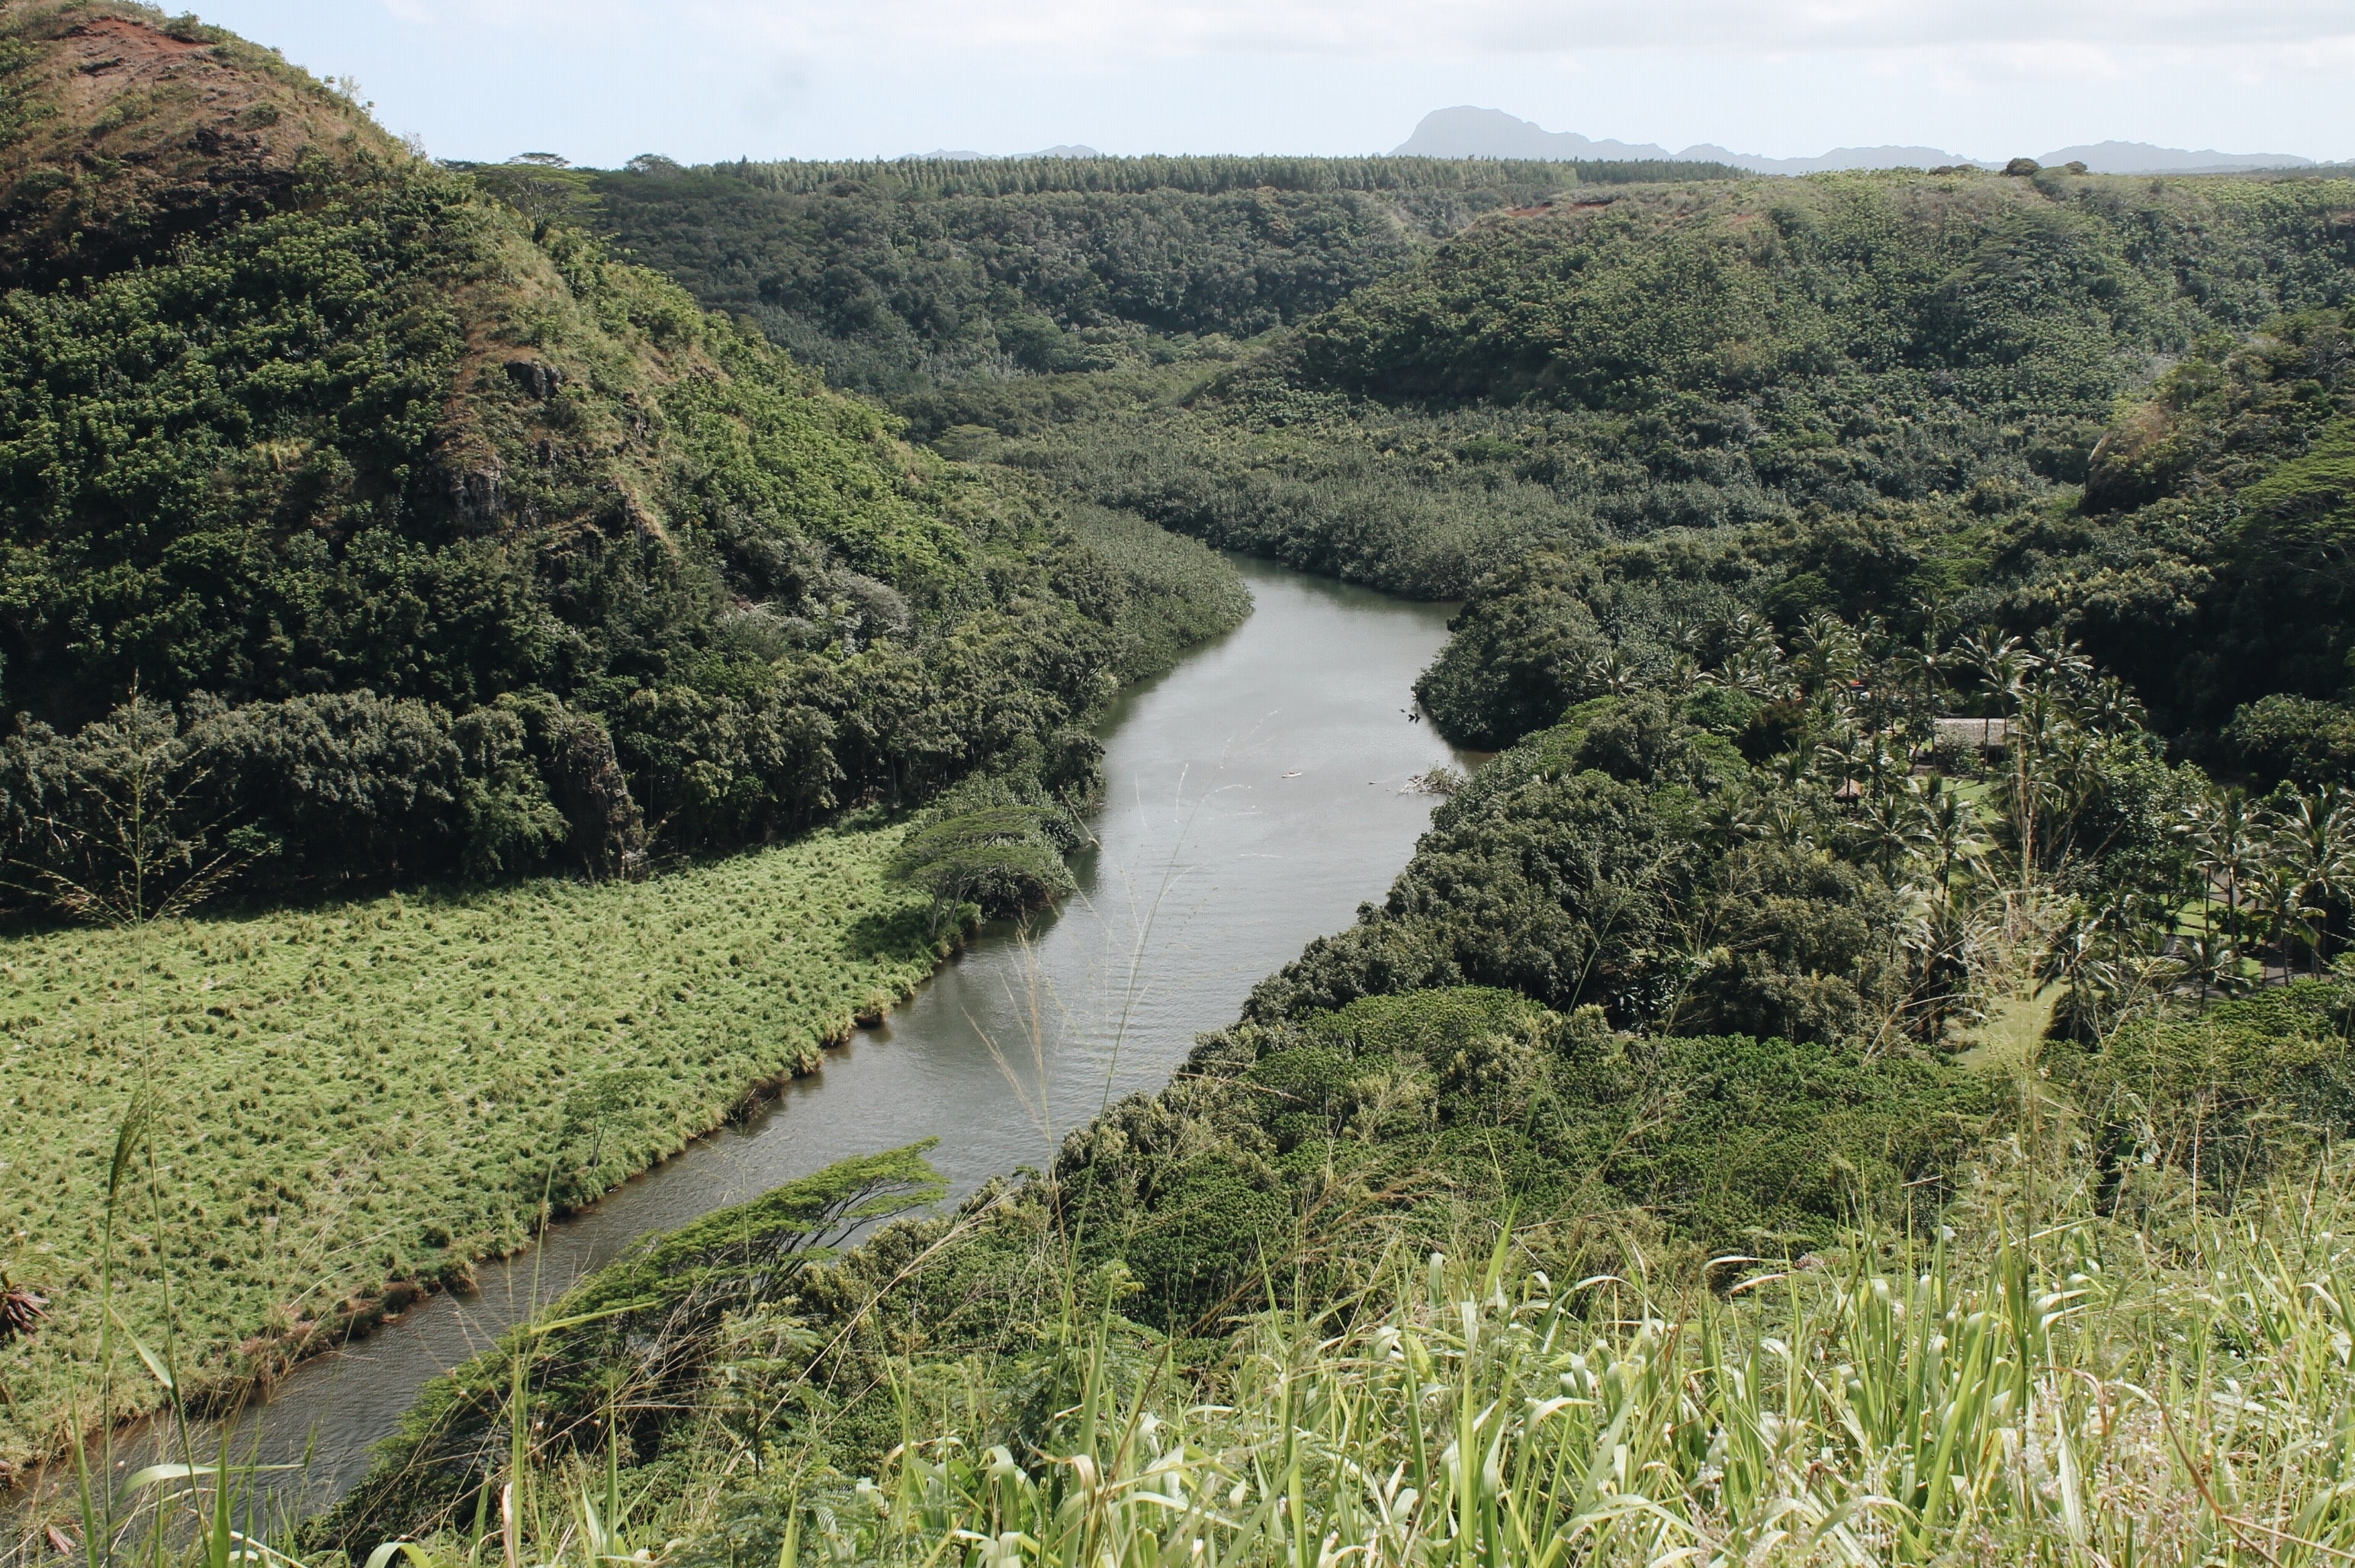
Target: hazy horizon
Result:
[700, 80]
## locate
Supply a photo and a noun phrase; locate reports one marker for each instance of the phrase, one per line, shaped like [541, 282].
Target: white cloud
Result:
[600, 80]
[1418, 28]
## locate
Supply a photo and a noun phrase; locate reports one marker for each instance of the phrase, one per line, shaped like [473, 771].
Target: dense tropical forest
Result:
[359, 533]
[1858, 1076]
[893, 277]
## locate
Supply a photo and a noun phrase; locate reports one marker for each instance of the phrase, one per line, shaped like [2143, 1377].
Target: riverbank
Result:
[350, 1106]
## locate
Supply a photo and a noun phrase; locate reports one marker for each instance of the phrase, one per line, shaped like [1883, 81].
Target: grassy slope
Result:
[377, 1091]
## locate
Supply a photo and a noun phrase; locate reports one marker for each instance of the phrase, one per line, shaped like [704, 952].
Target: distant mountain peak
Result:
[1466, 132]
[1469, 131]
[2142, 158]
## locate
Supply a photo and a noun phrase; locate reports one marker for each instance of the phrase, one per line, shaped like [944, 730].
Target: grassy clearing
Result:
[379, 1091]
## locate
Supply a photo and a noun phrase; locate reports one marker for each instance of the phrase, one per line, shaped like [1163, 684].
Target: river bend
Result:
[1256, 794]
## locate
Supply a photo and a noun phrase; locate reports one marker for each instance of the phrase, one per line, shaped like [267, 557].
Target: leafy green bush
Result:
[1177, 593]
[1588, 866]
[999, 859]
[2308, 742]
[2226, 1098]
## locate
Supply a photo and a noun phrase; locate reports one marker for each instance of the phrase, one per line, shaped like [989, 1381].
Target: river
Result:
[1256, 794]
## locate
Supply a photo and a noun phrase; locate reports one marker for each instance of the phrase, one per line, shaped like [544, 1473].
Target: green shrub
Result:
[2227, 1097]
[999, 859]
[2307, 743]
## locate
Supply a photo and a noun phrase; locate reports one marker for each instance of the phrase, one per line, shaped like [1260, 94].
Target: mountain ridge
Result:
[1470, 131]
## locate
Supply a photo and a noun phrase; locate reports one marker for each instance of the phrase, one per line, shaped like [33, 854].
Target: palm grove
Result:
[1897, 937]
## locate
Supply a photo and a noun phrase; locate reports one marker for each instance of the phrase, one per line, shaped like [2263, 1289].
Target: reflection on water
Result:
[1257, 793]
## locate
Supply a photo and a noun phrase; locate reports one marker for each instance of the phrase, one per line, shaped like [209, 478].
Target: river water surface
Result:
[1256, 794]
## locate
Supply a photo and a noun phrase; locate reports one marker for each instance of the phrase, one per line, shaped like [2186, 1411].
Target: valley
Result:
[1077, 859]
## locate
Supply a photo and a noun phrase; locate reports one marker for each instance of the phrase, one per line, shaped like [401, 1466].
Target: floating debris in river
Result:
[1441, 780]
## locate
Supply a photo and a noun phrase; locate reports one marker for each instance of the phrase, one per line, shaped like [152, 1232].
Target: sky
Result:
[700, 80]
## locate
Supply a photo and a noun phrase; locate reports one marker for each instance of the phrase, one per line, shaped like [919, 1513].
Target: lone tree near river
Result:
[999, 858]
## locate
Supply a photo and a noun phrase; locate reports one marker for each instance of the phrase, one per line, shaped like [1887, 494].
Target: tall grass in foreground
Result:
[2069, 1396]
[2028, 1400]
[2075, 1395]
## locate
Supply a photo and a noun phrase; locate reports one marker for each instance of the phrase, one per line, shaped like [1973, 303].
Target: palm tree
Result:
[1755, 669]
[1952, 840]
[1892, 827]
[1829, 653]
[2274, 895]
[2212, 960]
[2036, 723]
[1999, 662]
[1613, 673]
[2057, 663]
[2314, 836]
[2222, 830]
[2109, 708]
[2110, 961]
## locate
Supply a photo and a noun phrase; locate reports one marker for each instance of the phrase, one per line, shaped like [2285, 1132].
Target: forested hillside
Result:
[358, 526]
[2194, 560]
[1584, 360]
[896, 276]
[1703, 357]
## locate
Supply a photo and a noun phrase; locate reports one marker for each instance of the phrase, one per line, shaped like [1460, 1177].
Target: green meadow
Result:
[350, 1102]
